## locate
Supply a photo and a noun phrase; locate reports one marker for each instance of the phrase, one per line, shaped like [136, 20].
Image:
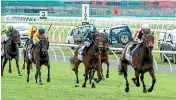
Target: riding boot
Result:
[26, 42]
[84, 50]
[131, 49]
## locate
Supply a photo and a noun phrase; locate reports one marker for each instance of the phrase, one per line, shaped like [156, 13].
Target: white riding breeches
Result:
[87, 43]
[6, 38]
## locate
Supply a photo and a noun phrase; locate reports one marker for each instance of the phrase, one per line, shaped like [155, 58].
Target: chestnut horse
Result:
[90, 60]
[141, 61]
[104, 54]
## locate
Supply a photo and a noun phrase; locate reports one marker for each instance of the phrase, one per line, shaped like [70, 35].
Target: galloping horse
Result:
[11, 49]
[40, 57]
[91, 62]
[104, 55]
[142, 61]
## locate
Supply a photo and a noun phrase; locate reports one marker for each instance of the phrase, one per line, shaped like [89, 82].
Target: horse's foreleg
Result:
[99, 73]
[76, 65]
[101, 70]
[24, 51]
[107, 74]
[36, 76]
[124, 70]
[136, 79]
[152, 74]
[10, 69]
[92, 78]
[86, 77]
[28, 70]
[48, 79]
[142, 80]
[4, 63]
[39, 74]
[17, 65]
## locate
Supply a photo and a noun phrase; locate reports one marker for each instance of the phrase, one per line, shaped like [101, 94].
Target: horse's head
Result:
[99, 39]
[44, 45]
[15, 37]
[149, 41]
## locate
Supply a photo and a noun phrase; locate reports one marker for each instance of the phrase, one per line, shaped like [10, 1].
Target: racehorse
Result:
[27, 44]
[40, 57]
[90, 60]
[104, 55]
[142, 61]
[11, 49]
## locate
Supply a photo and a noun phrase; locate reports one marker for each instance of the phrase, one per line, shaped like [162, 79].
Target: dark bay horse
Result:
[91, 62]
[40, 57]
[142, 61]
[11, 49]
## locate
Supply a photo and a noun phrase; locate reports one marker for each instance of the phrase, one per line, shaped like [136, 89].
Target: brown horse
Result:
[91, 62]
[40, 57]
[11, 49]
[142, 61]
[104, 55]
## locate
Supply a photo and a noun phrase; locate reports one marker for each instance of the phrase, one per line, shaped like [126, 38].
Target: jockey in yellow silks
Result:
[31, 32]
[36, 39]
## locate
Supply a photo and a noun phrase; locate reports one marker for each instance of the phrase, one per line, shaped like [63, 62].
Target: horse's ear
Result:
[153, 32]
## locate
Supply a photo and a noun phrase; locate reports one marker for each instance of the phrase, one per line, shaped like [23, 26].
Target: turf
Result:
[62, 87]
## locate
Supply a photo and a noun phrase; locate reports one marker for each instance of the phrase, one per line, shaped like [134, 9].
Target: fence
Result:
[62, 26]
[54, 47]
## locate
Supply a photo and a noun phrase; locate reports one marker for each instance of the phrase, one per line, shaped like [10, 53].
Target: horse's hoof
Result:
[93, 85]
[27, 81]
[95, 79]
[20, 75]
[98, 80]
[40, 83]
[77, 85]
[149, 90]
[73, 69]
[127, 89]
[84, 86]
[48, 79]
[23, 68]
[134, 81]
[10, 71]
[107, 75]
[138, 85]
[145, 91]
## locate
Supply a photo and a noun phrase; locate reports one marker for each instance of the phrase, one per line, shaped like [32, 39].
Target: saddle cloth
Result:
[30, 50]
[131, 53]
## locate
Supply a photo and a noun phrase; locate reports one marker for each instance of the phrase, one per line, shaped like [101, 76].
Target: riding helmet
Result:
[145, 27]
[34, 28]
[41, 31]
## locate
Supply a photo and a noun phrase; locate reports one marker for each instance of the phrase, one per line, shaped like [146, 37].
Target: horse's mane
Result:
[145, 55]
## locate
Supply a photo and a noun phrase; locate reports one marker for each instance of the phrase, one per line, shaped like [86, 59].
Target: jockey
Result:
[8, 32]
[31, 33]
[145, 29]
[36, 40]
[87, 39]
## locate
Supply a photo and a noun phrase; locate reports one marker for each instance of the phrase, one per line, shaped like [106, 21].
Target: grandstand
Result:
[98, 8]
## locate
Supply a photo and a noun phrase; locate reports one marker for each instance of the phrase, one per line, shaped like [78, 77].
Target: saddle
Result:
[132, 51]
